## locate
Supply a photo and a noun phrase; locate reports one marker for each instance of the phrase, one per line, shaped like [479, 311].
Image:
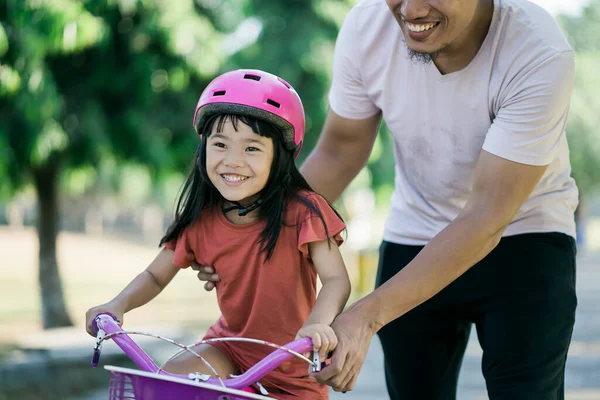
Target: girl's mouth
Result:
[233, 179]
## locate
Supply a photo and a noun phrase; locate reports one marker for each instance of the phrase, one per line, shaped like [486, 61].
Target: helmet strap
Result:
[242, 211]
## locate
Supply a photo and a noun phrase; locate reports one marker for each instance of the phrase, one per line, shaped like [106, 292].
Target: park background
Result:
[96, 104]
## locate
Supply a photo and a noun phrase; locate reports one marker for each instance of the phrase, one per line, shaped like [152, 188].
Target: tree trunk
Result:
[54, 312]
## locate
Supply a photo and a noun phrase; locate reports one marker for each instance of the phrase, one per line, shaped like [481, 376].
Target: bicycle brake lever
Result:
[316, 365]
[97, 348]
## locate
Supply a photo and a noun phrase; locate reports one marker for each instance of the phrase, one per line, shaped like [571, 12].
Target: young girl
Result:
[246, 210]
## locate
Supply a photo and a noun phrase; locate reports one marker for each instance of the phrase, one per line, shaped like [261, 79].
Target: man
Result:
[481, 228]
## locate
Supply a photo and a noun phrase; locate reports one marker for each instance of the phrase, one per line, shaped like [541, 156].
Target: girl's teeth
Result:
[419, 27]
[234, 178]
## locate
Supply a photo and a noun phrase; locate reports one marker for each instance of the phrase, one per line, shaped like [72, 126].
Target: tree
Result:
[82, 82]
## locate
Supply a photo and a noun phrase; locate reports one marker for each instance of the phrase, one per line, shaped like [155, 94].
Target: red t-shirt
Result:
[262, 300]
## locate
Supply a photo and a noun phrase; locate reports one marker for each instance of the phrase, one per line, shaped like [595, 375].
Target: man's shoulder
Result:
[370, 15]
[369, 27]
[527, 39]
[526, 24]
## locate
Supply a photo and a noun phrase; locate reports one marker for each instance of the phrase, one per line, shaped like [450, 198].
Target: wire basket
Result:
[128, 384]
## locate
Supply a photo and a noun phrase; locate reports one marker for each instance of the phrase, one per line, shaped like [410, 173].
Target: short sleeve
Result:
[531, 119]
[184, 255]
[347, 95]
[311, 227]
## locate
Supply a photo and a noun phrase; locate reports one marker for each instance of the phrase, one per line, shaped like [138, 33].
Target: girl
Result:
[246, 210]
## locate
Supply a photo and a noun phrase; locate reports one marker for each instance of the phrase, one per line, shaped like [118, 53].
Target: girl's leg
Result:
[187, 363]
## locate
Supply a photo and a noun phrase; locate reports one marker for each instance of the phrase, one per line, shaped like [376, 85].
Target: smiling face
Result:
[238, 161]
[437, 27]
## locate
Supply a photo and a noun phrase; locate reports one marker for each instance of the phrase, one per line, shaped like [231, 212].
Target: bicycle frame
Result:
[106, 327]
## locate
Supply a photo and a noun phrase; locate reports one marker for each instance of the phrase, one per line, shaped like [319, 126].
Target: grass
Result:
[93, 270]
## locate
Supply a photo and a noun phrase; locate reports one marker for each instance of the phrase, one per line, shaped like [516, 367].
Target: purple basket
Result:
[128, 384]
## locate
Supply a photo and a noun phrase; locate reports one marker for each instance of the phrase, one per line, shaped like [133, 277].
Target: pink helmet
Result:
[256, 94]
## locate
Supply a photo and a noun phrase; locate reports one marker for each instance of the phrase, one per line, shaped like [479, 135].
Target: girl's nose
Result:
[233, 160]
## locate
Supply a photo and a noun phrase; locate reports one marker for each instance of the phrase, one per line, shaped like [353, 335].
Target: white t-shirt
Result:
[512, 101]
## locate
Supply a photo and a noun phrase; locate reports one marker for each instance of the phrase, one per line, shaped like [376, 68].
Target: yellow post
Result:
[367, 270]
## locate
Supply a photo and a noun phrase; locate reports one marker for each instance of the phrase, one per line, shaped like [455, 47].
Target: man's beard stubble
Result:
[426, 58]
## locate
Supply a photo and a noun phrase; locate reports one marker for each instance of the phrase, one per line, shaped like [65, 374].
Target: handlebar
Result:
[105, 324]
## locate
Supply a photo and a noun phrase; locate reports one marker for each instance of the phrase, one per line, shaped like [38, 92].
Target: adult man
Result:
[481, 227]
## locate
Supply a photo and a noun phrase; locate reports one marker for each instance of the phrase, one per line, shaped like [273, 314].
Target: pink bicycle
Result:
[151, 382]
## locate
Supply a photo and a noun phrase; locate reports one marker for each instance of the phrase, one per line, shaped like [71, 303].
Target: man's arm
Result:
[501, 187]
[342, 151]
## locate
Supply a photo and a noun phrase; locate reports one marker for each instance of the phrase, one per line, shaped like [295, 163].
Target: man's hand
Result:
[206, 274]
[354, 329]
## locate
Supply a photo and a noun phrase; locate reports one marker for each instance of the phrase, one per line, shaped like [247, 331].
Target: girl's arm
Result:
[332, 272]
[148, 284]
[143, 288]
[332, 297]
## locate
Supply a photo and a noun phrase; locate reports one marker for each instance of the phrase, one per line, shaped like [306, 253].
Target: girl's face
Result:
[238, 162]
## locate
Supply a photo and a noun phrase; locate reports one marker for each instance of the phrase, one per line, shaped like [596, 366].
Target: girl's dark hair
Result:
[284, 185]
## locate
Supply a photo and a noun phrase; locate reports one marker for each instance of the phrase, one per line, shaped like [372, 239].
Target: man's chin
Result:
[425, 57]
[419, 57]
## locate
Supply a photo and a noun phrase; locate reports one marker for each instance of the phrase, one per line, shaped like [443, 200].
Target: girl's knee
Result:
[187, 363]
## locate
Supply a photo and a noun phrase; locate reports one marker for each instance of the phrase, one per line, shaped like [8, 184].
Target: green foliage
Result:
[84, 81]
[584, 119]
[583, 32]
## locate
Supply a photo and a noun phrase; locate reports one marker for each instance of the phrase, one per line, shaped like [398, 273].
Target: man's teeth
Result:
[420, 27]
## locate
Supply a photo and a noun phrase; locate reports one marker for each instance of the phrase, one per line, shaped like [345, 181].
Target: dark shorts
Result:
[521, 298]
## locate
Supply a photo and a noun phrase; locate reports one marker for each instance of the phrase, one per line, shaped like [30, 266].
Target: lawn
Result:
[93, 270]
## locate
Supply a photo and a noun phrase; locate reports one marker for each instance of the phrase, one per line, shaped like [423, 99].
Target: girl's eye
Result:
[219, 144]
[252, 149]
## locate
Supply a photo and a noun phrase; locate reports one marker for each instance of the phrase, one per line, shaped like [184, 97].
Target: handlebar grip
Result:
[95, 323]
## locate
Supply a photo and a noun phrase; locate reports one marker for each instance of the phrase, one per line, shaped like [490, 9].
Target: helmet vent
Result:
[219, 93]
[273, 103]
[253, 77]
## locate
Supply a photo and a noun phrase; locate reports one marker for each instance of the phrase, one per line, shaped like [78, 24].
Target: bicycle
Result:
[151, 382]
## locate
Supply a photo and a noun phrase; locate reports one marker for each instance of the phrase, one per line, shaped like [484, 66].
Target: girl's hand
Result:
[110, 307]
[323, 338]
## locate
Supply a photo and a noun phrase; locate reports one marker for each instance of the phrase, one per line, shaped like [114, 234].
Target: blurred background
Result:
[96, 104]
